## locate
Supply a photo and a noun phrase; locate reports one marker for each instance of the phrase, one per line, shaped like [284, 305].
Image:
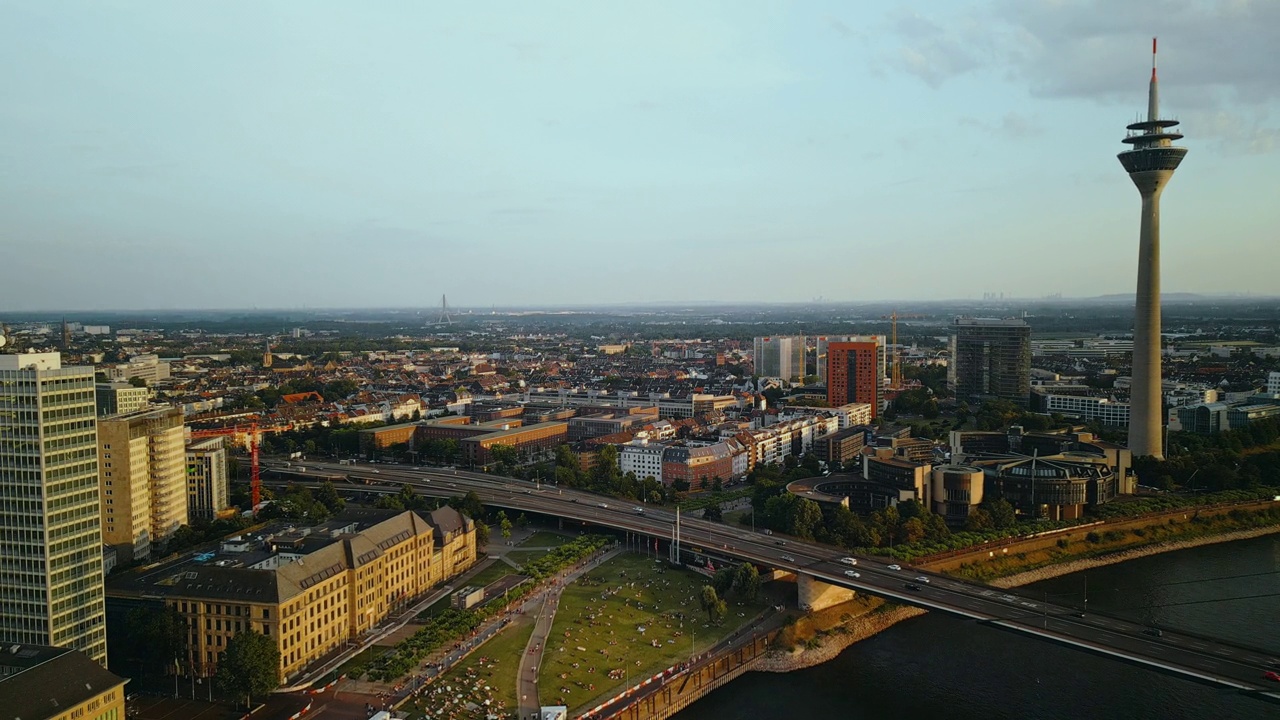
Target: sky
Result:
[318, 154]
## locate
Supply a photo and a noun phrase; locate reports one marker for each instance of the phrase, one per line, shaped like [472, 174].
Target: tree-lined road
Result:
[1198, 658]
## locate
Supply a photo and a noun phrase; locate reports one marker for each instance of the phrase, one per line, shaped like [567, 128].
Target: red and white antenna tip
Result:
[1153, 58]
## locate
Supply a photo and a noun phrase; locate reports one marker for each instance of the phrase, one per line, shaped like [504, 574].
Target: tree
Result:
[711, 602]
[471, 504]
[505, 455]
[328, 496]
[156, 637]
[249, 666]
[504, 524]
[1002, 513]
[979, 521]
[137, 382]
[807, 518]
[712, 512]
[746, 581]
[482, 533]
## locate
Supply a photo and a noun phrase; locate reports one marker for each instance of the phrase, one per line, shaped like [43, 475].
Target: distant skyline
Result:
[323, 154]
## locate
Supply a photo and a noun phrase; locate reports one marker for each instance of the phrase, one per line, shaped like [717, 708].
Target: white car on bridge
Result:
[849, 561]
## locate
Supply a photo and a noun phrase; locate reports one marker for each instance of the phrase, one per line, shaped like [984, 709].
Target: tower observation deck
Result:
[1150, 164]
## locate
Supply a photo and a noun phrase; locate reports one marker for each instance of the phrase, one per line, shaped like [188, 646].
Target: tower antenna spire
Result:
[1153, 96]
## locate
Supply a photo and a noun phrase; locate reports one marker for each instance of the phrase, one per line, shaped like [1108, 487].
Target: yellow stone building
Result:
[310, 589]
[142, 469]
[39, 682]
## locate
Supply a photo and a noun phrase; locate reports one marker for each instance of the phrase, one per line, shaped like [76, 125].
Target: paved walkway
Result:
[531, 658]
[442, 662]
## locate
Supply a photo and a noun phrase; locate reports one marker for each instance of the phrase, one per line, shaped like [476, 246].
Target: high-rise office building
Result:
[855, 372]
[143, 467]
[206, 478]
[823, 342]
[1150, 165]
[990, 358]
[116, 398]
[50, 532]
[780, 357]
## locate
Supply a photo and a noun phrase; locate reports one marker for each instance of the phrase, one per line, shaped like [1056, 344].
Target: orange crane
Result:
[255, 480]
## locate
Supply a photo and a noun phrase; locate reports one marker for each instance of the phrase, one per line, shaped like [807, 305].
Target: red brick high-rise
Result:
[855, 373]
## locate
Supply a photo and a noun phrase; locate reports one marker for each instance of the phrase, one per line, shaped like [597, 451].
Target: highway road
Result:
[1202, 659]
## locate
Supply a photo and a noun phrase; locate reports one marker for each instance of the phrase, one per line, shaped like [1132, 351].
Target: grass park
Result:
[624, 621]
[483, 684]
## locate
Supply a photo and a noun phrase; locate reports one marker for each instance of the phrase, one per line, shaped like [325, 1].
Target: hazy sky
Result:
[322, 154]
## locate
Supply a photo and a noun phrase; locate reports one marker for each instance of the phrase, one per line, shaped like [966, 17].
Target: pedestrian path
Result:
[531, 658]
[443, 661]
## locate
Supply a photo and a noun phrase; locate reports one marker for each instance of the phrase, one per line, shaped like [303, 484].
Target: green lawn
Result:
[598, 628]
[494, 572]
[488, 674]
[361, 658]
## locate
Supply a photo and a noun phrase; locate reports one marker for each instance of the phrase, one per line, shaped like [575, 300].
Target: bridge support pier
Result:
[817, 595]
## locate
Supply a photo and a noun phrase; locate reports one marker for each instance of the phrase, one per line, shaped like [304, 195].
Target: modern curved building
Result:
[1057, 487]
[956, 489]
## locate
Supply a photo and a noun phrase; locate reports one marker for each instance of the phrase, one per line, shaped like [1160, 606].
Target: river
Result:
[944, 667]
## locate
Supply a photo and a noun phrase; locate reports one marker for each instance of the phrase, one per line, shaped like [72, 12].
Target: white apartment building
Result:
[642, 458]
[50, 527]
[147, 367]
[1105, 410]
[207, 493]
[1273, 383]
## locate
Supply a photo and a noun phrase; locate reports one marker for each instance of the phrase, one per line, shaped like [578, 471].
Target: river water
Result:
[943, 667]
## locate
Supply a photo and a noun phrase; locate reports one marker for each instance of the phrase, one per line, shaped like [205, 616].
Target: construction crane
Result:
[895, 372]
[254, 435]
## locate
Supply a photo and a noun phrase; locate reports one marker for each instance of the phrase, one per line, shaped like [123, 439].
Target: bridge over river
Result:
[822, 576]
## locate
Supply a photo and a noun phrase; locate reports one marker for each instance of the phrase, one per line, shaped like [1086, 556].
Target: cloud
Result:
[1218, 55]
[840, 27]
[1013, 125]
[936, 51]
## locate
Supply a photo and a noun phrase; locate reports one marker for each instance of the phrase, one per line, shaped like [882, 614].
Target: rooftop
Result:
[281, 559]
[41, 681]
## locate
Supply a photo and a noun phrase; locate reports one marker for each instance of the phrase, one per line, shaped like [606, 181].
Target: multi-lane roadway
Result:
[1199, 658]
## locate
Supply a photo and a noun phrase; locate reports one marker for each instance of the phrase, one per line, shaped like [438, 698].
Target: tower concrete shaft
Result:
[1150, 165]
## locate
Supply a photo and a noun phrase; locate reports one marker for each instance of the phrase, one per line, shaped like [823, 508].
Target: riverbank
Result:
[1066, 568]
[834, 636]
[830, 642]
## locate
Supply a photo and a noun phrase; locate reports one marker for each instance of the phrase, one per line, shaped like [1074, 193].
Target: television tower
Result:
[1150, 165]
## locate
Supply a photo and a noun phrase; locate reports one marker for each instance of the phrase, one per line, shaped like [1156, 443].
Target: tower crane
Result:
[895, 372]
[254, 437]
